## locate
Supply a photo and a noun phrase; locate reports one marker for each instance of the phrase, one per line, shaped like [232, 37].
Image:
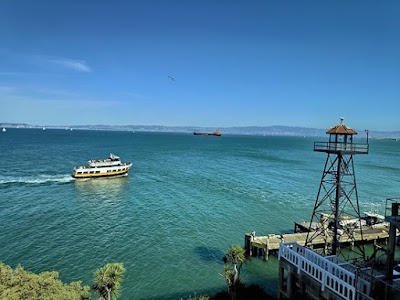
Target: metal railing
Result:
[341, 147]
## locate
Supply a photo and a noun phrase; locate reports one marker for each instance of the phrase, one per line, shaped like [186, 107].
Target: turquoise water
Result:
[186, 200]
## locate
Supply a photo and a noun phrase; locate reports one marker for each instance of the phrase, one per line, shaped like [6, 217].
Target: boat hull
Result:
[100, 177]
[206, 133]
[101, 172]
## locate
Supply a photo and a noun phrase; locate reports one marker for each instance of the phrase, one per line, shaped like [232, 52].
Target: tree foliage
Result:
[20, 284]
[233, 261]
[107, 280]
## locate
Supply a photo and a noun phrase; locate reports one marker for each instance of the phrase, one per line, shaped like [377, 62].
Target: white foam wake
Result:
[38, 179]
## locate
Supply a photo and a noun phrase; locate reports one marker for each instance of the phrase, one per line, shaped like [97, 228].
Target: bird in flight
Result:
[172, 78]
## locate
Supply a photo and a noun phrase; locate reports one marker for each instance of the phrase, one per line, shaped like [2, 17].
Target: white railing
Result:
[322, 269]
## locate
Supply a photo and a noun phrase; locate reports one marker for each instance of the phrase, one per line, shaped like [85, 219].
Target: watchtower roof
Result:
[341, 129]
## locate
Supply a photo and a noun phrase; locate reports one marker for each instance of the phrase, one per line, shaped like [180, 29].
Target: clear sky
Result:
[235, 63]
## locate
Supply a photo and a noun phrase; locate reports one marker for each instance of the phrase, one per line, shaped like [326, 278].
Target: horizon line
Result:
[14, 124]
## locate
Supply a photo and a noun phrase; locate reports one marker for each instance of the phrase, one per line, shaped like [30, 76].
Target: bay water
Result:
[186, 200]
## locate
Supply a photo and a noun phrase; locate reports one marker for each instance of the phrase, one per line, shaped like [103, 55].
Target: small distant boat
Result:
[4, 130]
[111, 166]
[215, 133]
[44, 128]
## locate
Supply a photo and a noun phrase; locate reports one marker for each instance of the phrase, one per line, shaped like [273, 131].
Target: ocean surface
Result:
[186, 200]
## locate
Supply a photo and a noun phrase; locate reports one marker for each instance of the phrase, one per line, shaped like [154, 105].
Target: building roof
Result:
[341, 129]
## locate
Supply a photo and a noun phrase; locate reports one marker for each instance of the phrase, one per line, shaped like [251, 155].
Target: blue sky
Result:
[235, 63]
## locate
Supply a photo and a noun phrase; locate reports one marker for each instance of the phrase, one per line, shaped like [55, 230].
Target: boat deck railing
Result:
[106, 166]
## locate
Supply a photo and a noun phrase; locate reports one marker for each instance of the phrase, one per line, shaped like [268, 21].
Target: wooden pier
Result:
[267, 244]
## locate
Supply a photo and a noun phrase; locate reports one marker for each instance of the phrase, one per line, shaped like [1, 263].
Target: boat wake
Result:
[36, 180]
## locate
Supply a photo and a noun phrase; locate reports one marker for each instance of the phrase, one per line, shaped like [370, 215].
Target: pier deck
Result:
[264, 245]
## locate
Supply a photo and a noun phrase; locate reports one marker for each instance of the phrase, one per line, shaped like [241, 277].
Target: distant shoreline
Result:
[244, 130]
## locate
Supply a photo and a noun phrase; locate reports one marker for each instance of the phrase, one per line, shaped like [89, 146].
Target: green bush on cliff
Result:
[20, 284]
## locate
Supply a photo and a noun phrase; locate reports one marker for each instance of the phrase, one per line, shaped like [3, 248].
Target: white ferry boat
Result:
[111, 166]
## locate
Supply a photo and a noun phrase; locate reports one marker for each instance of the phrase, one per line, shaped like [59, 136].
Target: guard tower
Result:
[336, 216]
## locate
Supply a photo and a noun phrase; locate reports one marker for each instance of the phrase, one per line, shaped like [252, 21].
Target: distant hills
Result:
[246, 130]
